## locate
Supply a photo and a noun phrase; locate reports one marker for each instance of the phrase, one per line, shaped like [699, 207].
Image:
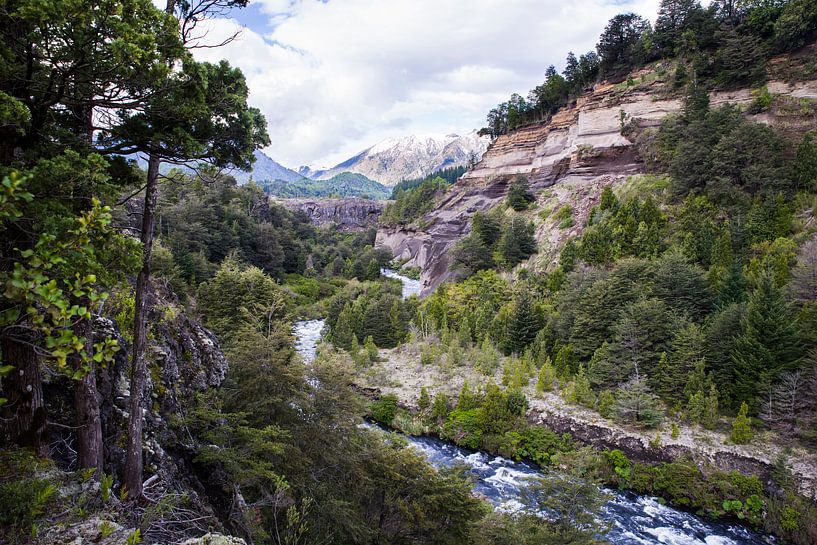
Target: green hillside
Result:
[345, 184]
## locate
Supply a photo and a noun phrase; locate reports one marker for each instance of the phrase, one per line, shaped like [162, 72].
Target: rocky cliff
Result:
[348, 214]
[184, 361]
[576, 153]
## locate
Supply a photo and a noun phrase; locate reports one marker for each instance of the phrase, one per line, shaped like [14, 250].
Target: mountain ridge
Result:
[393, 160]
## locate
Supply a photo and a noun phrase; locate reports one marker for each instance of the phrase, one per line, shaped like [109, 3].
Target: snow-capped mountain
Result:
[396, 159]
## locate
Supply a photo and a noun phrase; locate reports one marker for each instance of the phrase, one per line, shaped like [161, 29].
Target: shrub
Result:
[463, 428]
[384, 409]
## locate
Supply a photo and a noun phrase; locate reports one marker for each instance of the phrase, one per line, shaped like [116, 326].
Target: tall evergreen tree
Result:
[768, 344]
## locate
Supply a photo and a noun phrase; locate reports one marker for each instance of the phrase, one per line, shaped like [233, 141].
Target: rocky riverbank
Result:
[400, 373]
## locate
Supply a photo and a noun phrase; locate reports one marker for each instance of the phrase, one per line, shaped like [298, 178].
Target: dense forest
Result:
[345, 184]
[150, 390]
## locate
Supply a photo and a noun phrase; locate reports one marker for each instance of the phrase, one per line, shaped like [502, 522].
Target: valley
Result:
[591, 321]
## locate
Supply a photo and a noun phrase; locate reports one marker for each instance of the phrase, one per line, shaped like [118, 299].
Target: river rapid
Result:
[635, 520]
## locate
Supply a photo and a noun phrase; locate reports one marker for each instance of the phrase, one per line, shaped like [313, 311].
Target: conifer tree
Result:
[439, 409]
[768, 344]
[524, 323]
[424, 402]
[372, 353]
[547, 376]
[636, 404]
[566, 361]
[467, 399]
[343, 334]
[582, 392]
[519, 195]
[741, 427]
[606, 404]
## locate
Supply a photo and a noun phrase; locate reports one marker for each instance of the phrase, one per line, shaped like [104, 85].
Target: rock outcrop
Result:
[184, 361]
[580, 146]
[349, 214]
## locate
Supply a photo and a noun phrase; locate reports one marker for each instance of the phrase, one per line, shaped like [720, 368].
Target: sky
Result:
[335, 77]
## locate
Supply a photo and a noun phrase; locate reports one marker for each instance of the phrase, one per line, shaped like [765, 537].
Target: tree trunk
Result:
[86, 405]
[134, 462]
[23, 415]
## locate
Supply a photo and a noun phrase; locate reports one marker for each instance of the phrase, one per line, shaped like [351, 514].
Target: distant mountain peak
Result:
[395, 159]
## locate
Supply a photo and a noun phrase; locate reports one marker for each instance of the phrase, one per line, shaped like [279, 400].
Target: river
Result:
[635, 520]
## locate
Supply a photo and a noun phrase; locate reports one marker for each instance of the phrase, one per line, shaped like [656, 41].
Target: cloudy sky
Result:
[335, 77]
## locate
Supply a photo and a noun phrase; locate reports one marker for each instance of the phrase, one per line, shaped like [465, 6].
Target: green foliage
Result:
[564, 217]
[768, 344]
[633, 228]
[344, 184]
[519, 195]
[450, 175]
[546, 377]
[23, 501]
[463, 427]
[105, 487]
[52, 285]
[424, 401]
[369, 309]
[636, 404]
[384, 409]
[582, 393]
[606, 403]
[239, 295]
[516, 243]
[741, 428]
[411, 204]
[134, 538]
[207, 219]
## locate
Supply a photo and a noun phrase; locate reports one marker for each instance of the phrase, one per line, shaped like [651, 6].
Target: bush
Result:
[463, 427]
[384, 409]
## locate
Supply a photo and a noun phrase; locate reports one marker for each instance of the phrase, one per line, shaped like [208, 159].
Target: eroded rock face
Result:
[349, 214]
[580, 147]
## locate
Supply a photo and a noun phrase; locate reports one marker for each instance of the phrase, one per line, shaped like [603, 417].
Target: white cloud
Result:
[335, 77]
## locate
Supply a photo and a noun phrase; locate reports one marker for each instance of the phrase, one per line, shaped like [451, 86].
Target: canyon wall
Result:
[347, 214]
[576, 153]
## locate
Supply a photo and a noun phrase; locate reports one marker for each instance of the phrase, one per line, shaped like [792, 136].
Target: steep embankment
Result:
[577, 152]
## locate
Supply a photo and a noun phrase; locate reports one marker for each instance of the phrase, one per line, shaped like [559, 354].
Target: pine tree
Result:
[768, 344]
[741, 428]
[566, 362]
[468, 399]
[439, 409]
[372, 353]
[343, 333]
[424, 402]
[524, 323]
[607, 403]
[582, 392]
[636, 404]
[547, 376]
[354, 350]
[519, 195]
[712, 413]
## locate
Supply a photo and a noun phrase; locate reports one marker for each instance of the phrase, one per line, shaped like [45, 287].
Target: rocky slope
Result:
[348, 214]
[400, 373]
[576, 153]
[396, 159]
